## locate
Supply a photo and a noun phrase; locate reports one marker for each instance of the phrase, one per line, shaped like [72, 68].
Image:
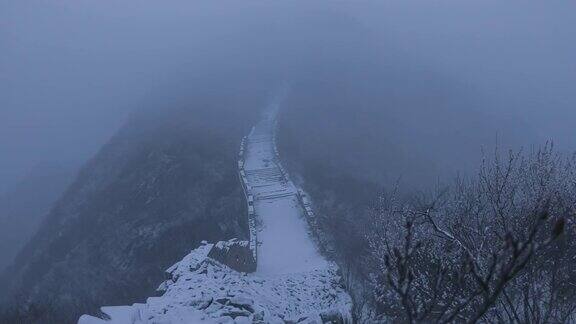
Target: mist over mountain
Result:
[475, 73]
[154, 98]
[159, 187]
[23, 208]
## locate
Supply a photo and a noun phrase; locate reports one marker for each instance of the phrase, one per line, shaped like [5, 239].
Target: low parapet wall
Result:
[303, 199]
[249, 200]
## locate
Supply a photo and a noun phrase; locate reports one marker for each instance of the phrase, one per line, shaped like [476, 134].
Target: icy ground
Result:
[293, 283]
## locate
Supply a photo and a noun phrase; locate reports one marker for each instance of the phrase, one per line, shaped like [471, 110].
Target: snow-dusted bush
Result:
[494, 248]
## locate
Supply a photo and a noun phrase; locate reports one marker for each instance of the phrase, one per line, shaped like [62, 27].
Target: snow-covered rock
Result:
[202, 290]
[234, 254]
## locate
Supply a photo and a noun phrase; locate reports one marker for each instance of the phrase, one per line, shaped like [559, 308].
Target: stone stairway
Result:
[269, 183]
[264, 175]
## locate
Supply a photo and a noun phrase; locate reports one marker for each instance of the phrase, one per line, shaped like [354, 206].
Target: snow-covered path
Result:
[284, 242]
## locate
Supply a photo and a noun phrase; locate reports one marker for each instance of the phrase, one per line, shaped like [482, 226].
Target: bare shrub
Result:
[488, 249]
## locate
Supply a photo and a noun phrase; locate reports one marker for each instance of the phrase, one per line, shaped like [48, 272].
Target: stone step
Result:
[264, 170]
[274, 196]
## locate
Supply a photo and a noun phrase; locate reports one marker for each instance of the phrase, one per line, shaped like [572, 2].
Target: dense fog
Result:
[150, 99]
[73, 70]
[411, 89]
[514, 60]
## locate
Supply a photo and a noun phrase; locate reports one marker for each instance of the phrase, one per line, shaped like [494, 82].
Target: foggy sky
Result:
[71, 71]
[517, 57]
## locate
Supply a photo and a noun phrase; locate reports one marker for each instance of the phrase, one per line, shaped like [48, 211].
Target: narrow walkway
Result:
[284, 242]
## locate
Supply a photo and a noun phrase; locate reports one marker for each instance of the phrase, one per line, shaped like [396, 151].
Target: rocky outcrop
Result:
[202, 290]
[234, 254]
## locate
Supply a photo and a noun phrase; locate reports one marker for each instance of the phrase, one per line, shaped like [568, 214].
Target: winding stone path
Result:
[284, 241]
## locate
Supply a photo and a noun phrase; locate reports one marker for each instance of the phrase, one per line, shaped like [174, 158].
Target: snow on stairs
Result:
[269, 183]
[283, 232]
[275, 196]
[265, 176]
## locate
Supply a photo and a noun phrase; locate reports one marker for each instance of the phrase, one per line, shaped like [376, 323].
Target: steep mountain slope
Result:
[290, 282]
[23, 208]
[165, 182]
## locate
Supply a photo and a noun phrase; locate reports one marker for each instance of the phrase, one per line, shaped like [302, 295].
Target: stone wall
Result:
[249, 199]
[235, 254]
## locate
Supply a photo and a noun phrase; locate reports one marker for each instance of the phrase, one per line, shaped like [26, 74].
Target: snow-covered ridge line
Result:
[291, 282]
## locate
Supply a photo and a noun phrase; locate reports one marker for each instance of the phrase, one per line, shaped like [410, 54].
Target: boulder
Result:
[234, 254]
